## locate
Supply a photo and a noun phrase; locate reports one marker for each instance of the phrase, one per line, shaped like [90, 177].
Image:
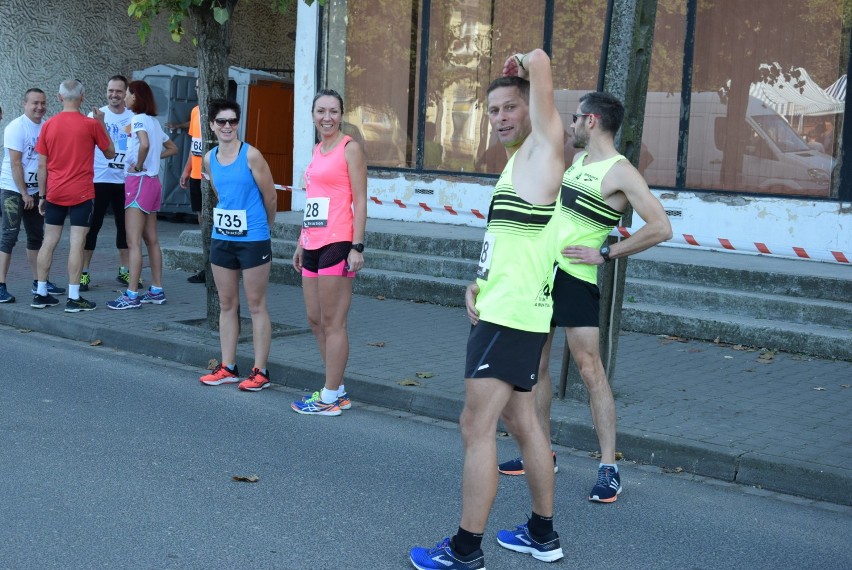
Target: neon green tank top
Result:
[584, 216]
[515, 273]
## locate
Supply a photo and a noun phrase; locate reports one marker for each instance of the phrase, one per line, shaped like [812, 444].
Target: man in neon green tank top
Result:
[511, 319]
[596, 189]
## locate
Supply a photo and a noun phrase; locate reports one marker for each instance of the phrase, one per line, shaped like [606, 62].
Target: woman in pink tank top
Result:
[331, 246]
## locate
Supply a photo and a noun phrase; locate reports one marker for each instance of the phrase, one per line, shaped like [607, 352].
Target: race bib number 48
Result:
[230, 222]
[485, 256]
[316, 213]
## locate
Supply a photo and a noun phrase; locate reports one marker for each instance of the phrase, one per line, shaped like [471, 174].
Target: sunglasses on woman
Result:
[222, 122]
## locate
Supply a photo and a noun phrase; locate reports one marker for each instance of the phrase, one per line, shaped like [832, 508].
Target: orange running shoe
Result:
[221, 375]
[256, 381]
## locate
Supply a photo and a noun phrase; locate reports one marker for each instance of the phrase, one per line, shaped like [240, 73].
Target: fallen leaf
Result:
[212, 363]
[408, 382]
[819, 389]
[846, 385]
[694, 350]
[378, 344]
[717, 340]
[731, 357]
[97, 342]
[380, 297]
[25, 331]
[246, 478]
[766, 356]
[597, 455]
[676, 338]
[672, 470]
[739, 347]
[423, 374]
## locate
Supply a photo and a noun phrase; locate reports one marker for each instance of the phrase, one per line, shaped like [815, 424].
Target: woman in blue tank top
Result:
[240, 243]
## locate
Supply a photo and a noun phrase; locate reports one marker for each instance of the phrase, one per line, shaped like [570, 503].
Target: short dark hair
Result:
[144, 103]
[121, 78]
[327, 93]
[219, 105]
[606, 105]
[511, 81]
[32, 90]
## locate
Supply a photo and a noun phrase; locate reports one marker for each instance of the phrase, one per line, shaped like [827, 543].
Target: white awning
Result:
[837, 89]
[800, 96]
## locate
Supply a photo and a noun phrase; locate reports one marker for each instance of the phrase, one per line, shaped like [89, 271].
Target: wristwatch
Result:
[359, 247]
[604, 251]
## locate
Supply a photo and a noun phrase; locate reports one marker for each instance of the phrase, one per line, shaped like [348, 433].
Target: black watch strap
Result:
[359, 247]
[604, 251]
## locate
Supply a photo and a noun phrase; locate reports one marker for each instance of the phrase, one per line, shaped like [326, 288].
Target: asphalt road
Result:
[112, 460]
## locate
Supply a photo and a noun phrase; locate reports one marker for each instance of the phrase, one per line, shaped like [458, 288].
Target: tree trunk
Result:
[626, 77]
[214, 50]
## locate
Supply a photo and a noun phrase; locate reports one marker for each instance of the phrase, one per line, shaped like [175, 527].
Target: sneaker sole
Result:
[43, 306]
[346, 406]
[595, 499]
[523, 472]
[306, 413]
[78, 310]
[549, 556]
[153, 302]
[124, 308]
[258, 389]
[12, 300]
[219, 382]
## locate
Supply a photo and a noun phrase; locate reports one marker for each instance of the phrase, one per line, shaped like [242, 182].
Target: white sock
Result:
[613, 465]
[41, 288]
[74, 291]
[341, 391]
[328, 396]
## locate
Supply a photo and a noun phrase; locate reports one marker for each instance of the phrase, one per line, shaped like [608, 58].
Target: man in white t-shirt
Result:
[109, 181]
[19, 189]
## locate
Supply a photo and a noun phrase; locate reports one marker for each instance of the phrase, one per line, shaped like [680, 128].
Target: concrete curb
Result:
[785, 475]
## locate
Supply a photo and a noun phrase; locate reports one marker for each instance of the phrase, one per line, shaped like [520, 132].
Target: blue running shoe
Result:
[442, 557]
[313, 405]
[5, 296]
[516, 466]
[124, 302]
[608, 487]
[344, 402]
[51, 289]
[153, 298]
[520, 540]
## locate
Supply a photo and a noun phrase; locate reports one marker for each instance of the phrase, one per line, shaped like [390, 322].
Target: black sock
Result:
[540, 526]
[465, 543]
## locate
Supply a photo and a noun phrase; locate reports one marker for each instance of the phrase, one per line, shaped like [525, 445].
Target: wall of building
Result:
[821, 229]
[44, 43]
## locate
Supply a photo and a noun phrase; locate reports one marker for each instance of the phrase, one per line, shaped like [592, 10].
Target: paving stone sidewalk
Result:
[778, 421]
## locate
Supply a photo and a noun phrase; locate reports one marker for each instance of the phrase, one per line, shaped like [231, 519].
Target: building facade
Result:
[742, 139]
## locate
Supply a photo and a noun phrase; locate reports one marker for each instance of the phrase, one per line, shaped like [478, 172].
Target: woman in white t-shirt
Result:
[147, 143]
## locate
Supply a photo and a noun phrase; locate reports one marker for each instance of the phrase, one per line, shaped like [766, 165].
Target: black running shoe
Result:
[42, 301]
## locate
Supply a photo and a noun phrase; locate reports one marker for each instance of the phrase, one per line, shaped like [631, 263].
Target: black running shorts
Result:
[576, 303]
[510, 355]
[240, 254]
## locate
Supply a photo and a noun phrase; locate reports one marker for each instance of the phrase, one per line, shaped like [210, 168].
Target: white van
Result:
[775, 159]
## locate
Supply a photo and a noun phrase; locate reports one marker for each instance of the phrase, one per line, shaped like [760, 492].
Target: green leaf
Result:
[221, 15]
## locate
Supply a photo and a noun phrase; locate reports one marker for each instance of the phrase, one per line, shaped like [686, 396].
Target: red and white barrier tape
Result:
[687, 239]
[739, 245]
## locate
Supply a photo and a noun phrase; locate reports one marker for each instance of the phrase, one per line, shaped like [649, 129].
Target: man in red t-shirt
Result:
[66, 149]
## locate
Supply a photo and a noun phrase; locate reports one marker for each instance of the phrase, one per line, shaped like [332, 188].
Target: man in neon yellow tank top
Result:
[511, 319]
[596, 189]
